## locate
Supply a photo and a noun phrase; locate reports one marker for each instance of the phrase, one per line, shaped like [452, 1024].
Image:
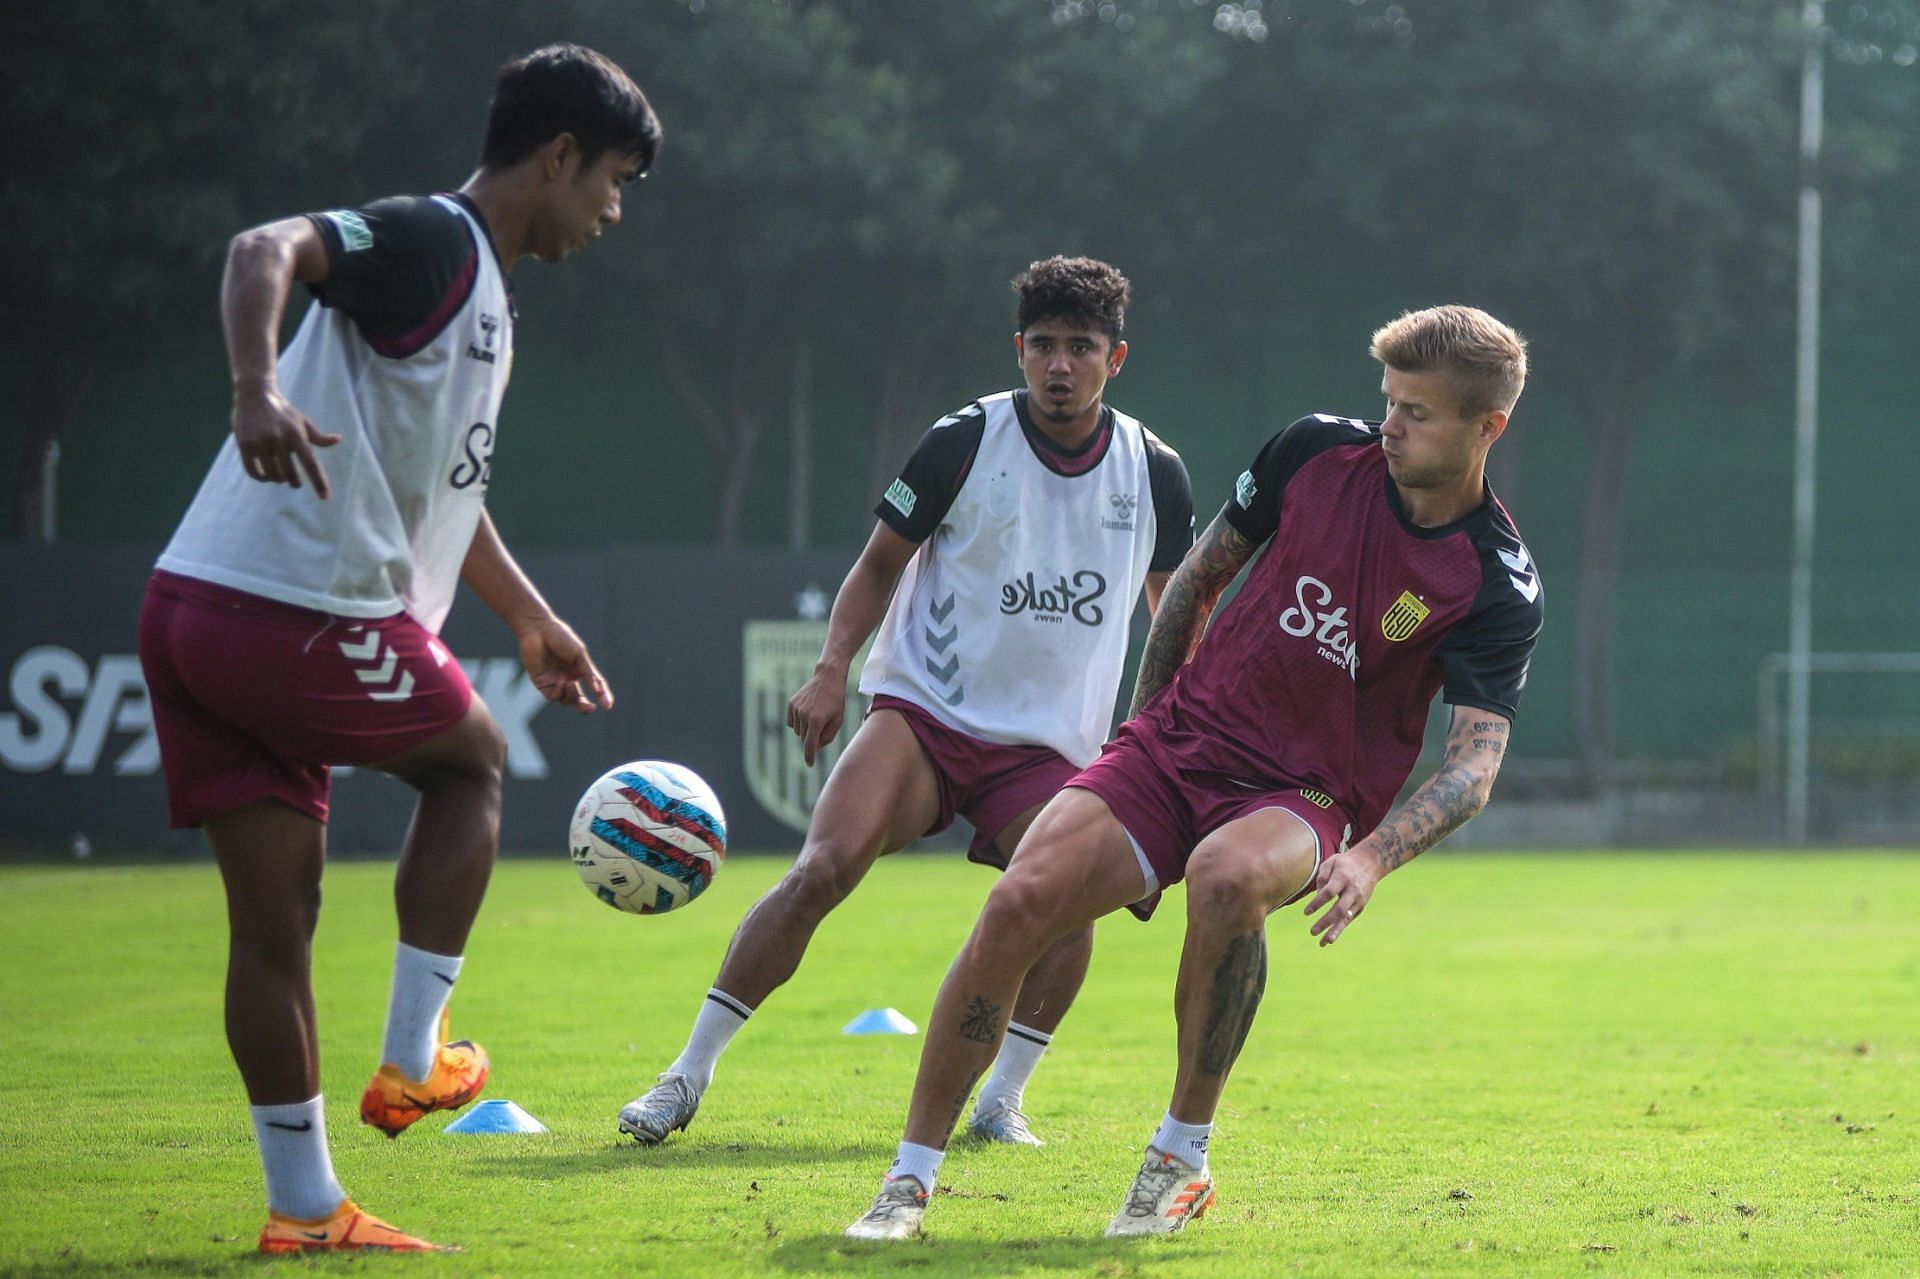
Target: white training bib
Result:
[1010, 623]
[409, 475]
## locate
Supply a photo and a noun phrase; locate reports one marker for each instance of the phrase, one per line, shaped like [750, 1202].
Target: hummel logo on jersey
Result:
[1058, 602]
[1524, 578]
[488, 325]
[901, 498]
[355, 234]
[1120, 508]
[1244, 489]
[1328, 629]
[1331, 420]
[380, 662]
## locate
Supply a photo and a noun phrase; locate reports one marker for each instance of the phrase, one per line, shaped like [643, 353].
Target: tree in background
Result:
[864, 175]
[1055, 135]
[1617, 179]
[141, 132]
[868, 178]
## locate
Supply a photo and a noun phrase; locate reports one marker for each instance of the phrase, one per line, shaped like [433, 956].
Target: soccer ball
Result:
[648, 837]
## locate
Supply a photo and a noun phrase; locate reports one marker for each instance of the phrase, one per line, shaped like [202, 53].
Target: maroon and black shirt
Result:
[409, 273]
[1319, 673]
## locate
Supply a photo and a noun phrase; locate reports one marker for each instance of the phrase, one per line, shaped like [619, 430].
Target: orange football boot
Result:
[348, 1229]
[392, 1101]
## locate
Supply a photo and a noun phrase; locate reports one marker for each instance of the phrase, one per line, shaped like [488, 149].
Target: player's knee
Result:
[818, 882]
[277, 932]
[1225, 889]
[1079, 943]
[1021, 914]
[481, 759]
[490, 751]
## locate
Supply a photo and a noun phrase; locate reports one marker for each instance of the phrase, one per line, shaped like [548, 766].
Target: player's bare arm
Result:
[1476, 745]
[1181, 612]
[556, 659]
[1154, 587]
[816, 711]
[275, 439]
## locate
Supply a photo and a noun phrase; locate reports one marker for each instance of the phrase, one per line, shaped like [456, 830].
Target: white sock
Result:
[922, 1163]
[422, 981]
[1020, 1052]
[293, 1150]
[1183, 1141]
[720, 1019]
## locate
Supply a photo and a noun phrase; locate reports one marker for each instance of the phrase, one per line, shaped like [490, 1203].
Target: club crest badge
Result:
[1404, 617]
[779, 658]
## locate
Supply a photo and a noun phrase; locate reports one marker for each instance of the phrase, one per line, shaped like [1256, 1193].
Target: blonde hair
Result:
[1487, 357]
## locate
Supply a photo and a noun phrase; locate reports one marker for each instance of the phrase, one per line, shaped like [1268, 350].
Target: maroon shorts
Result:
[253, 699]
[1167, 811]
[984, 782]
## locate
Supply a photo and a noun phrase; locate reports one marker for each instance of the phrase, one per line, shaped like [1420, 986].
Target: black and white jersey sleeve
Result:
[914, 504]
[1172, 492]
[396, 266]
[1254, 508]
[1485, 657]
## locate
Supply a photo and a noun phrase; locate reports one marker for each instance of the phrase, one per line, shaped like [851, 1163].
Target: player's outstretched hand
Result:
[560, 667]
[277, 442]
[1344, 883]
[816, 712]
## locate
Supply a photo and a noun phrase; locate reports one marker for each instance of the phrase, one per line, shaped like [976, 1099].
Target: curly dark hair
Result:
[1081, 291]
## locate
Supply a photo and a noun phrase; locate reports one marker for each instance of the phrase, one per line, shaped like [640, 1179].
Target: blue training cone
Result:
[495, 1116]
[880, 1021]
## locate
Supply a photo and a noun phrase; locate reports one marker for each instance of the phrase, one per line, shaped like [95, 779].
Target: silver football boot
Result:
[667, 1107]
[1002, 1122]
[896, 1211]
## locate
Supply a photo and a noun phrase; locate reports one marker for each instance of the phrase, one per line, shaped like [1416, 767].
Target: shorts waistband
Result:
[204, 594]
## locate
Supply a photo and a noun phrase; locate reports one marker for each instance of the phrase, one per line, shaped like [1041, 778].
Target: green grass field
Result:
[1514, 1065]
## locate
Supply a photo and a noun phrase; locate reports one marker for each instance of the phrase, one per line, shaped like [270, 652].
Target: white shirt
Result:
[409, 475]
[1010, 623]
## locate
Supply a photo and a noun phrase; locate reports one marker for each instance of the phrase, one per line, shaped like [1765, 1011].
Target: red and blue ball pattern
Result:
[648, 837]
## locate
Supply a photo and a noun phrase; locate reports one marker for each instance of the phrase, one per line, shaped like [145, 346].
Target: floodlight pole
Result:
[1806, 421]
[800, 465]
[50, 494]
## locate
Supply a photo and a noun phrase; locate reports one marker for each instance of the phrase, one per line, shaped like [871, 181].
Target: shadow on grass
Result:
[241, 1262]
[956, 1254]
[630, 1157]
[237, 1256]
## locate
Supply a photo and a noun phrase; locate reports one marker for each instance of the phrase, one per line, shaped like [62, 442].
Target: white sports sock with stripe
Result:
[720, 1019]
[1020, 1052]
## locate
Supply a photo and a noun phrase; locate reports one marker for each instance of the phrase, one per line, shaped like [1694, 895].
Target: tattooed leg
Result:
[1218, 993]
[963, 1034]
[1085, 870]
[1233, 879]
[1239, 980]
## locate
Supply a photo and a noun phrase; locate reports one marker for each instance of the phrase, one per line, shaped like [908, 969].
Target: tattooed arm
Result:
[1476, 744]
[1185, 606]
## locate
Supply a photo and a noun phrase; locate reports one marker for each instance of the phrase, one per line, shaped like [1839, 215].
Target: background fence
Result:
[702, 676]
